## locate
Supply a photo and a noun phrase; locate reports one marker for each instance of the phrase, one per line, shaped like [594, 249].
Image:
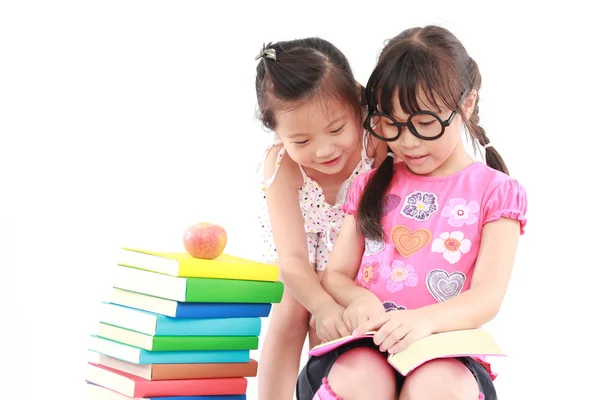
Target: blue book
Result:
[178, 309]
[159, 325]
[137, 355]
[98, 391]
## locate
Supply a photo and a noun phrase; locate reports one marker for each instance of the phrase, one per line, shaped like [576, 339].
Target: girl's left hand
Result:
[396, 330]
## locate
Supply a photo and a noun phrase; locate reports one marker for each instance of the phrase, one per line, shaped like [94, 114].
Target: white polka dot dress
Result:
[322, 221]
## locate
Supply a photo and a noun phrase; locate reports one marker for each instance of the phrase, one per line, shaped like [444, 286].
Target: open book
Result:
[462, 343]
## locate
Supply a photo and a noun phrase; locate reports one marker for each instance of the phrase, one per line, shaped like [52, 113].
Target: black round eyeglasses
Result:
[424, 124]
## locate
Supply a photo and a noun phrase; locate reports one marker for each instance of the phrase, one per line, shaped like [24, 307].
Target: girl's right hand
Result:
[362, 309]
[330, 324]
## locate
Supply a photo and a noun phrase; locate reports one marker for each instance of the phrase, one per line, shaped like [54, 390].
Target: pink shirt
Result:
[432, 232]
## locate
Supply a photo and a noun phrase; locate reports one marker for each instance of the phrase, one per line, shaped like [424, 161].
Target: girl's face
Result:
[441, 156]
[322, 135]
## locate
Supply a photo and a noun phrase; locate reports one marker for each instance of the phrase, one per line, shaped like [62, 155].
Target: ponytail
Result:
[371, 201]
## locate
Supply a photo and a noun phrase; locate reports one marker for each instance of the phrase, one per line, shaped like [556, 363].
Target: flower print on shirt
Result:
[398, 275]
[391, 306]
[390, 202]
[460, 212]
[368, 274]
[420, 206]
[373, 247]
[451, 245]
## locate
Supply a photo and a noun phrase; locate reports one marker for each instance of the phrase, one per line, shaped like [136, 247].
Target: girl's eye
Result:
[338, 130]
[426, 123]
[301, 143]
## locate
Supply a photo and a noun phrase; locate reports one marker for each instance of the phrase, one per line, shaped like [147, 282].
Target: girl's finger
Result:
[371, 325]
[347, 319]
[403, 344]
[394, 337]
[342, 329]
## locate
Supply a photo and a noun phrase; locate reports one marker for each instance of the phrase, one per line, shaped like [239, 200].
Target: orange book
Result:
[181, 371]
[135, 386]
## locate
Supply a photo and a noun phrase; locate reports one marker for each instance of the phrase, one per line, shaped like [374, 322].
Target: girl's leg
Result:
[441, 379]
[280, 355]
[360, 374]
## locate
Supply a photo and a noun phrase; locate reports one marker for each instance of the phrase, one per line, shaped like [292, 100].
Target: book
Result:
[160, 325]
[197, 289]
[467, 342]
[179, 309]
[134, 386]
[183, 264]
[137, 355]
[95, 392]
[174, 343]
[182, 371]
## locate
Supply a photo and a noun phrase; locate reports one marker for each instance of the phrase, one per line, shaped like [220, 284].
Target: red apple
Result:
[204, 240]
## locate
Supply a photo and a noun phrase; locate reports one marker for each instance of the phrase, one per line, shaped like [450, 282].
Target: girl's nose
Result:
[407, 139]
[325, 151]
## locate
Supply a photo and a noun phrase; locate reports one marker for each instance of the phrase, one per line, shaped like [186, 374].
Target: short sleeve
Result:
[507, 200]
[355, 192]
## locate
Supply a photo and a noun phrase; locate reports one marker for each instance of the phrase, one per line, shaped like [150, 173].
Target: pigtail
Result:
[492, 157]
[371, 201]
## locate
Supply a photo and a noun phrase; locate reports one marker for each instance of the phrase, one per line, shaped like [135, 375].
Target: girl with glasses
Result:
[308, 96]
[429, 237]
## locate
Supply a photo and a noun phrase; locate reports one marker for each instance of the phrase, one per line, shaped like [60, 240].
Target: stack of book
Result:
[180, 328]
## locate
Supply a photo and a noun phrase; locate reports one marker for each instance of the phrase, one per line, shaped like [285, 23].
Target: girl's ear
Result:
[469, 104]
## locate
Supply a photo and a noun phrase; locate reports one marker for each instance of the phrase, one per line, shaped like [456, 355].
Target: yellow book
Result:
[462, 343]
[184, 265]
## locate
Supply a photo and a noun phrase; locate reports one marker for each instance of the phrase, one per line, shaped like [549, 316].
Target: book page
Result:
[471, 342]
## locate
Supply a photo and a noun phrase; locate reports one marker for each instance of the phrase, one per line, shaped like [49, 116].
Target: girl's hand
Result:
[396, 330]
[363, 309]
[329, 322]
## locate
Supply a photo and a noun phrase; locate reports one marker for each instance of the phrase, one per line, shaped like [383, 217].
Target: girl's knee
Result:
[442, 379]
[362, 373]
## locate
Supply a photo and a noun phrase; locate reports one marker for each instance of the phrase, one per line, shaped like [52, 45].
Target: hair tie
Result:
[391, 154]
[267, 53]
[487, 145]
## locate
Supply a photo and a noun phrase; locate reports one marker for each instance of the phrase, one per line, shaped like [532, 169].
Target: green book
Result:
[201, 290]
[175, 343]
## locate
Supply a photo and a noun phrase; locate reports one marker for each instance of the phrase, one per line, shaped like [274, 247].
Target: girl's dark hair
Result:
[433, 60]
[303, 69]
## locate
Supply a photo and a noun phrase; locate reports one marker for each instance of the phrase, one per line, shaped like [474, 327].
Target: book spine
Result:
[190, 357]
[174, 343]
[167, 326]
[232, 291]
[221, 310]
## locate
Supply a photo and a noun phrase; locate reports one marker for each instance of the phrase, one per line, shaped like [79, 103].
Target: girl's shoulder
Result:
[277, 164]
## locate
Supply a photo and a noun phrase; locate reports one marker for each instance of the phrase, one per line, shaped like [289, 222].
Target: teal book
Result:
[159, 325]
[137, 355]
[197, 289]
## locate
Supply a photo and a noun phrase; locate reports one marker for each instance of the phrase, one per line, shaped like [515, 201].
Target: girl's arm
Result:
[343, 265]
[289, 235]
[480, 304]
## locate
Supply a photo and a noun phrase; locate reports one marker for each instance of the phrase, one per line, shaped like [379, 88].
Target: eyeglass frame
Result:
[409, 124]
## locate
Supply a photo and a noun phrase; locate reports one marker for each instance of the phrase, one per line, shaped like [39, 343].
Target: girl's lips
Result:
[416, 160]
[331, 162]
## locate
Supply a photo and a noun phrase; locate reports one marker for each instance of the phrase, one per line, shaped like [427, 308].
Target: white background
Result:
[122, 122]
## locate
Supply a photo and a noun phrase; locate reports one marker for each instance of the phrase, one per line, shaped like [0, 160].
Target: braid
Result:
[492, 157]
